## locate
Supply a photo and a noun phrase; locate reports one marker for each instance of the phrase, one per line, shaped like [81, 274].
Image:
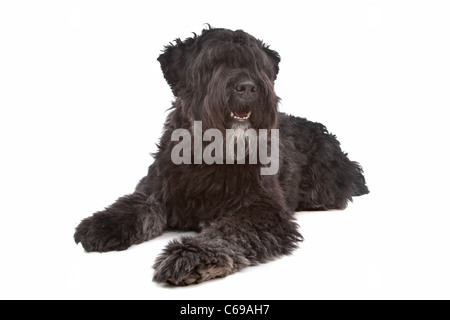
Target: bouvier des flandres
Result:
[224, 80]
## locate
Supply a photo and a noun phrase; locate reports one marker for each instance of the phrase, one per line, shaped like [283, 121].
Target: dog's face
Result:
[223, 78]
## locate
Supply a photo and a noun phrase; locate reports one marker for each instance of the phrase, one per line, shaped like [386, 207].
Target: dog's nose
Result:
[246, 89]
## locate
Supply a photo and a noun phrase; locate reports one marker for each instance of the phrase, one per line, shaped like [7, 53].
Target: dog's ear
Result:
[274, 57]
[173, 63]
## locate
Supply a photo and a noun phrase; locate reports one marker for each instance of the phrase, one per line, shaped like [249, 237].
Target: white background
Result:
[83, 101]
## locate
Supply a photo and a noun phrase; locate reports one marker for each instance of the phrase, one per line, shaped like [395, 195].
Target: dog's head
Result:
[223, 78]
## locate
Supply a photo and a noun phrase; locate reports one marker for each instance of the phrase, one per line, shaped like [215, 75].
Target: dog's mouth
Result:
[240, 116]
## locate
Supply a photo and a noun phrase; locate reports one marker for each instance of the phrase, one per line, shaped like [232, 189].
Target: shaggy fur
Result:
[243, 218]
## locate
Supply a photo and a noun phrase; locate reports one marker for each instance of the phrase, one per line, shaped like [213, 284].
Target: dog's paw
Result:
[100, 234]
[187, 262]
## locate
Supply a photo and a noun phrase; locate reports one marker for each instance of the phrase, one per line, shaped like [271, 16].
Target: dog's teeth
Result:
[241, 118]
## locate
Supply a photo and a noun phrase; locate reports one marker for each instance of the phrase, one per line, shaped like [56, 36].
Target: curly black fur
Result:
[243, 218]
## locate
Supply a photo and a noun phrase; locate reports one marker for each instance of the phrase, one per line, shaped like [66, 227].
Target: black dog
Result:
[225, 79]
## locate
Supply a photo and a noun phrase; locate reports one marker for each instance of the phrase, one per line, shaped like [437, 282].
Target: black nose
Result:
[246, 89]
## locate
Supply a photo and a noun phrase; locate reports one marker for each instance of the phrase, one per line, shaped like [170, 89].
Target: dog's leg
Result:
[330, 179]
[227, 245]
[132, 219]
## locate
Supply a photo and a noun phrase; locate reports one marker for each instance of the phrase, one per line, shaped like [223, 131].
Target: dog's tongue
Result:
[240, 114]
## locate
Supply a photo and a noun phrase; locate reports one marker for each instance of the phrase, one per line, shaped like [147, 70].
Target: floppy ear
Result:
[173, 62]
[274, 57]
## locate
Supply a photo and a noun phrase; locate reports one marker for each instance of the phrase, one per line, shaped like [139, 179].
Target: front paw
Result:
[187, 261]
[100, 233]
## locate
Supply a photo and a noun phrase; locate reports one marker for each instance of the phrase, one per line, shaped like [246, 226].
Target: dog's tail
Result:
[359, 182]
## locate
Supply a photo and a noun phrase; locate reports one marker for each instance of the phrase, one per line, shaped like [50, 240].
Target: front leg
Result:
[132, 219]
[229, 244]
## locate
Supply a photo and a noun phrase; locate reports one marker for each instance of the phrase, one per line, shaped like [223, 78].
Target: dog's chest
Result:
[198, 194]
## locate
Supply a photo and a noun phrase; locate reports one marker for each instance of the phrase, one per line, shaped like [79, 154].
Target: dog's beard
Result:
[240, 126]
[239, 137]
